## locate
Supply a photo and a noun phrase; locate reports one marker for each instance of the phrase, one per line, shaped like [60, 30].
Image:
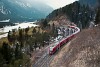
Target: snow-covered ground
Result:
[21, 25]
[5, 20]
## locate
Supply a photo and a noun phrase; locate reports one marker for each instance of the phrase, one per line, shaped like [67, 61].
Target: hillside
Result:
[19, 10]
[79, 14]
[82, 51]
[92, 3]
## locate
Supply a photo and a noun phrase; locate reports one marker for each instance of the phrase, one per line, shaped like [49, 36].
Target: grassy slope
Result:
[86, 49]
[3, 40]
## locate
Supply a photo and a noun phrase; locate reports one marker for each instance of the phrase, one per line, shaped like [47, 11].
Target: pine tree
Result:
[18, 54]
[26, 30]
[20, 35]
[9, 36]
[2, 60]
[34, 30]
[6, 52]
[97, 20]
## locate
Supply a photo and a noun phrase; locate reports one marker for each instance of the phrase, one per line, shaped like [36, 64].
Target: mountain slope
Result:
[19, 10]
[79, 14]
[92, 3]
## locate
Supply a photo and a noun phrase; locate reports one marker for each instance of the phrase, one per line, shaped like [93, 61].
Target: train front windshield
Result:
[51, 48]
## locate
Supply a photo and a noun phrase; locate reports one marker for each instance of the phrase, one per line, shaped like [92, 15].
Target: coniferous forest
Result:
[77, 13]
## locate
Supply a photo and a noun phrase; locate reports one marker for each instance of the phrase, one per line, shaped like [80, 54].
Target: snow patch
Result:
[4, 11]
[5, 20]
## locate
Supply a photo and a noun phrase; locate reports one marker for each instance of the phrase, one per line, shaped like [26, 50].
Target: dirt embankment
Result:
[60, 56]
[83, 51]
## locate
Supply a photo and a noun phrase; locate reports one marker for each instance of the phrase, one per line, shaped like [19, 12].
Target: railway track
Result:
[44, 61]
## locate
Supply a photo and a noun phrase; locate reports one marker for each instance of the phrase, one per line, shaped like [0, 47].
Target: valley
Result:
[35, 33]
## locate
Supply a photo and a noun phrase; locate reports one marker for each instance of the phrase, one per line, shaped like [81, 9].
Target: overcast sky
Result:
[58, 3]
[55, 3]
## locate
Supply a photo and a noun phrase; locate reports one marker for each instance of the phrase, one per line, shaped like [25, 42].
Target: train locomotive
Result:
[62, 40]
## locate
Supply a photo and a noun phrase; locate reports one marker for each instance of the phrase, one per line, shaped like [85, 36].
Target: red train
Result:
[56, 45]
